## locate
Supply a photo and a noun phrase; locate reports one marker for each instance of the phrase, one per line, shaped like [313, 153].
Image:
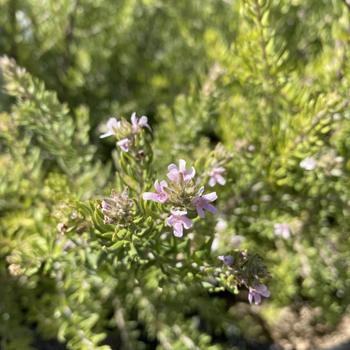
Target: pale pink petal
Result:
[170, 220]
[250, 297]
[210, 196]
[106, 134]
[158, 186]
[187, 222]
[163, 183]
[257, 298]
[263, 290]
[178, 230]
[182, 165]
[113, 123]
[200, 211]
[173, 176]
[211, 208]
[172, 167]
[124, 144]
[133, 119]
[150, 196]
[189, 174]
[212, 182]
[143, 122]
[220, 179]
[226, 259]
[178, 212]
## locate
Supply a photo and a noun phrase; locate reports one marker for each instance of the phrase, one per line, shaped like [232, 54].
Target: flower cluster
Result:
[256, 290]
[184, 197]
[124, 131]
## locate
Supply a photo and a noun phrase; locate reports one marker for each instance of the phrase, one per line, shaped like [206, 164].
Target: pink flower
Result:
[176, 174]
[178, 220]
[124, 144]
[309, 163]
[203, 202]
[282, 230]
[112, 126]
[226, 259]
[160, 195]
[137, 123]
[257, 292]
[216, 177]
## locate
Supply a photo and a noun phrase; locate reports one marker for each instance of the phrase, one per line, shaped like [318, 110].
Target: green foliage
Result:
[259, 88]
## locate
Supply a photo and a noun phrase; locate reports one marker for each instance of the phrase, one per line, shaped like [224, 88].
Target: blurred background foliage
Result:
[268, 79]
